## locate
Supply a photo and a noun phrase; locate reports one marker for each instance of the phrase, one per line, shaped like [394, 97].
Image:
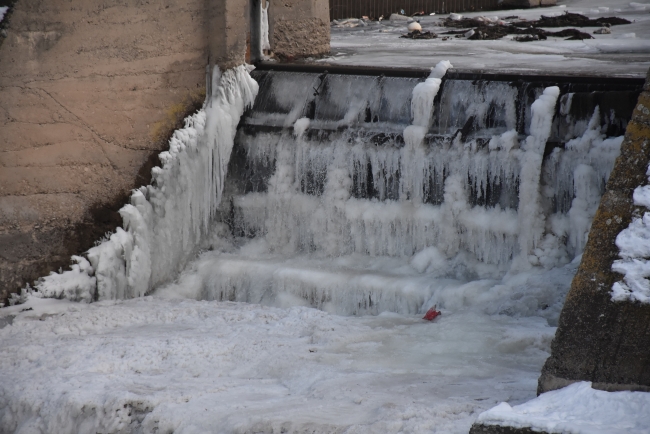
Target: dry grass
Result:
[174, 117]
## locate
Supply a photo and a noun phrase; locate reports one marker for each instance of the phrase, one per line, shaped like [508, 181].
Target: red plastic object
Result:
[431, 314]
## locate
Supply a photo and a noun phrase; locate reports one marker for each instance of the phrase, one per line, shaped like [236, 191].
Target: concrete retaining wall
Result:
[89, 93]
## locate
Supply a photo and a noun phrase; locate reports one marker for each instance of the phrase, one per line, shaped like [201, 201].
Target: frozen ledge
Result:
[457, 73]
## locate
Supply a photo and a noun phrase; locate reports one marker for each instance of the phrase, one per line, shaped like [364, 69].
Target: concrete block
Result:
[299, 28]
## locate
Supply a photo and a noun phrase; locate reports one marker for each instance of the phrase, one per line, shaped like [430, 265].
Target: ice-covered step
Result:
[351, 285]
[363, 285]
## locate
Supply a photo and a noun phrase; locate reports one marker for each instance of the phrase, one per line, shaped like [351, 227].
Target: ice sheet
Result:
[184, 366]
[625, 52]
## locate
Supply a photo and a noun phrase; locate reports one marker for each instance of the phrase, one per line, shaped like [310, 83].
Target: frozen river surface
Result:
[185, 366]
[624, 52]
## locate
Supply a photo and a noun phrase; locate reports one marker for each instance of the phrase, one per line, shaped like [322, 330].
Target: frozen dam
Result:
[361, 194]
[273, 276]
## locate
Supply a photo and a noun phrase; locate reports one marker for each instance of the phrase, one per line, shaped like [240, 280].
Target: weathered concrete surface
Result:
[228, 23]
[598, 340]
[299, 28]
[88, 93]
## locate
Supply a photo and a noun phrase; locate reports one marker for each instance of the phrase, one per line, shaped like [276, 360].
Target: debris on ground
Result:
[571, 34]
[350, 23]
[526, 38]
[398, 17]
[491, 28]
[569, 19]
[431, 314]
[604, 30]
[416, 34]
[412, 27]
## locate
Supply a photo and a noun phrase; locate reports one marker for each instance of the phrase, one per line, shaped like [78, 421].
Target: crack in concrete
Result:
[88, 127]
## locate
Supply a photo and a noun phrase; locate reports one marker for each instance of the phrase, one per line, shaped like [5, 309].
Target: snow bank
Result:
[634, 250]
[166, 221]
[576, 409]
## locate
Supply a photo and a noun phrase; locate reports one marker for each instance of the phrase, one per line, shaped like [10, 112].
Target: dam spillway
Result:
[345, 194]
[334, 200]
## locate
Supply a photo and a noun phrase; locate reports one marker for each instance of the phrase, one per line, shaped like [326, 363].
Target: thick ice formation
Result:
[634, 245]
[355, 222]
[166, 220]
[348, 194]
[576, 409]
[359, 198]
[530, 215]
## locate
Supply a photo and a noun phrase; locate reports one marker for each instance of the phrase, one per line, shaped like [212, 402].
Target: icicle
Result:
[167, 220]
[531, 218]
[264, 30]
[412, 156]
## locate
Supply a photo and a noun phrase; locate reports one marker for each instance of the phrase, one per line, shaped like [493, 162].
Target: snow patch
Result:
[576, 409]
[634, 251]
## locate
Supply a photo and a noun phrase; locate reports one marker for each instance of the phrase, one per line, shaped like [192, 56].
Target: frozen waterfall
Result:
[364, 194]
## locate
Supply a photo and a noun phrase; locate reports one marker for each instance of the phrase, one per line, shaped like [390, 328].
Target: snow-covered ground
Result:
[188, 366]
[625, 52]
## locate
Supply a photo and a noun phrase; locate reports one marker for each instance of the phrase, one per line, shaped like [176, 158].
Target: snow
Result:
[300, 126]
[624, 52]
[3, 12]
[576, 409]
[634, 251]
[186, 366]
